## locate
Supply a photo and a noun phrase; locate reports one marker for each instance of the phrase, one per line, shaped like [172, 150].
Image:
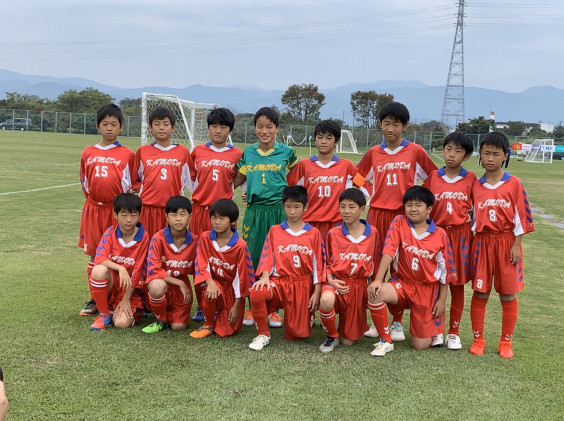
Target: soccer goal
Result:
[541, 151]
[347, 144]
[191, 118]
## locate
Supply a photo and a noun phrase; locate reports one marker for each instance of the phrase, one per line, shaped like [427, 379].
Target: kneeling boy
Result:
[422, 259]
[291, 268]
[118, 274]
[352, 257]
[170, 261]
[224, 268]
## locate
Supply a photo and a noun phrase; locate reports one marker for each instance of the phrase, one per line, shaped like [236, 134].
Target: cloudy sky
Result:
[508, 45]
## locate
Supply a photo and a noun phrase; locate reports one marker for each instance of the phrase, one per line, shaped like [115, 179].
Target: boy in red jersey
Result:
[215, 169]
[224, 267]
[422, 261]
[164, 168]
[452, 187]
[325, 176]
[105, 171]
[502, 216]
[291, 268]
[170, 260]
[393, 166]
[352, 259]
[119, 272]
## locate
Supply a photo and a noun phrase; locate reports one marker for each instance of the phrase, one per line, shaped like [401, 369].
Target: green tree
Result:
[536, 132]
[478, 125]
[16, 101]
[303, 103]
[366, 105]
[428, 126]
[88, 100]
[515, 128]
[558, 132]
[130, 106]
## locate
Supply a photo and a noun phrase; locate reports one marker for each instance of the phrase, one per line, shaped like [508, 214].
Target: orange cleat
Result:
[101, 322]
[505, 349]
[202, 332]
[477, 347]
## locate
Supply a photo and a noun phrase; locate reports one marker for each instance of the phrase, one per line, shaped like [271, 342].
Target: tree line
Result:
[302, 105]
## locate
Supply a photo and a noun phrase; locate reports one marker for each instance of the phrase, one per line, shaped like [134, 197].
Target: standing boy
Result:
[215, 169]
[105, 171]
[452, 187]
[263, 166]
[170, 260]
[421, 256]
[164, 169]
[118, 275]
[290, 269]
[352, 259]
[224, 268]
[393, 166]
[325, 176]
[502, 216]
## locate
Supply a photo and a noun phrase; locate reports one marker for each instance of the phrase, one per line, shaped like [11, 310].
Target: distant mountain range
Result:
[540, 103]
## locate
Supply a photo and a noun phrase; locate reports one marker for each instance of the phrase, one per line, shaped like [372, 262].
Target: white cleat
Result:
[259, 342]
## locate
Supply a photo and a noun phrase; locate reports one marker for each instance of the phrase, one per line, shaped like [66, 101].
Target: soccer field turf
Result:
[56, 368]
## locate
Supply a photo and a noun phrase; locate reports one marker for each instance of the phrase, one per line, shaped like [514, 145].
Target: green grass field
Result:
[57, 369]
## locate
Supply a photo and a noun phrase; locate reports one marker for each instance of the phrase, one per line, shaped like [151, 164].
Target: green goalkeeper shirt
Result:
[266, 172]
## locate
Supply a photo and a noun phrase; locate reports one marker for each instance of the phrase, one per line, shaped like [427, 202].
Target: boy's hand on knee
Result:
[340, 286]
[212, 291]
[374, 289]
[262, 283]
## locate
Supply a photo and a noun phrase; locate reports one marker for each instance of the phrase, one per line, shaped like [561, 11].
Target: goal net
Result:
[347, 143]
[541, 151]
[191, 118]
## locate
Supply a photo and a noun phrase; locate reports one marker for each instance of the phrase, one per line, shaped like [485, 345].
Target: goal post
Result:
[347, 144]
[191, 118]
[541, 151]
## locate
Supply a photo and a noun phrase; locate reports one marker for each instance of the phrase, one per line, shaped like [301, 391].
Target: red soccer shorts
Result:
[94, 221]
[153, 219]
[324, 227]
[460, 238]
[381, 219]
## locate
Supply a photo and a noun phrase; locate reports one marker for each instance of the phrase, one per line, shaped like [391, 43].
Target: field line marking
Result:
[43, 188]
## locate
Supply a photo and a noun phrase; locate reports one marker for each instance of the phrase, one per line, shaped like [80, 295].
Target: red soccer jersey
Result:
[453, 197]
[289, 253]
[393, 172]
[131, 256]
[230, 264]
[324, 184]
[353, 258]
[419, 258]
[215, 171]
[106, 171]
[503, 207]
[165, 259]
[163, 172]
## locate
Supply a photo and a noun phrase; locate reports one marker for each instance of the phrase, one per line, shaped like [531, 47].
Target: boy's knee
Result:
[157, 288]
[123, 322]
[327, 301]
[100, 272]
[420, 344]
[178, 327]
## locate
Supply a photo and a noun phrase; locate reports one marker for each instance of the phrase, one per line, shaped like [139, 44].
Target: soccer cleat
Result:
[202, 332]
[199, 316]
[505, 349]
[274, 320]
[101, 322]
[155, 327]
[382, 348]
[396, 332]
[248, 319]
[312, 321]
[259, 342]
[148, 314]
[437, 341]
[372, 332]
[329, 345]
[89, 309]
[453, 341]
[477, 347]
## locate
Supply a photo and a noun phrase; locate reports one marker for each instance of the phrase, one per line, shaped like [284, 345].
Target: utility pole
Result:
[453, 103]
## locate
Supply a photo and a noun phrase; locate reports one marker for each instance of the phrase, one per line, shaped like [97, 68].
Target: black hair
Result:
[496, 139]
[354, 195]
[175, 203]
[460, 139]
[396, 111]
[109, 110]
[268, 113]
[329, 127]
[295, 194]
[221, 116]
[161, 113]
[419, 194]
[225, 207]
[128, 202]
